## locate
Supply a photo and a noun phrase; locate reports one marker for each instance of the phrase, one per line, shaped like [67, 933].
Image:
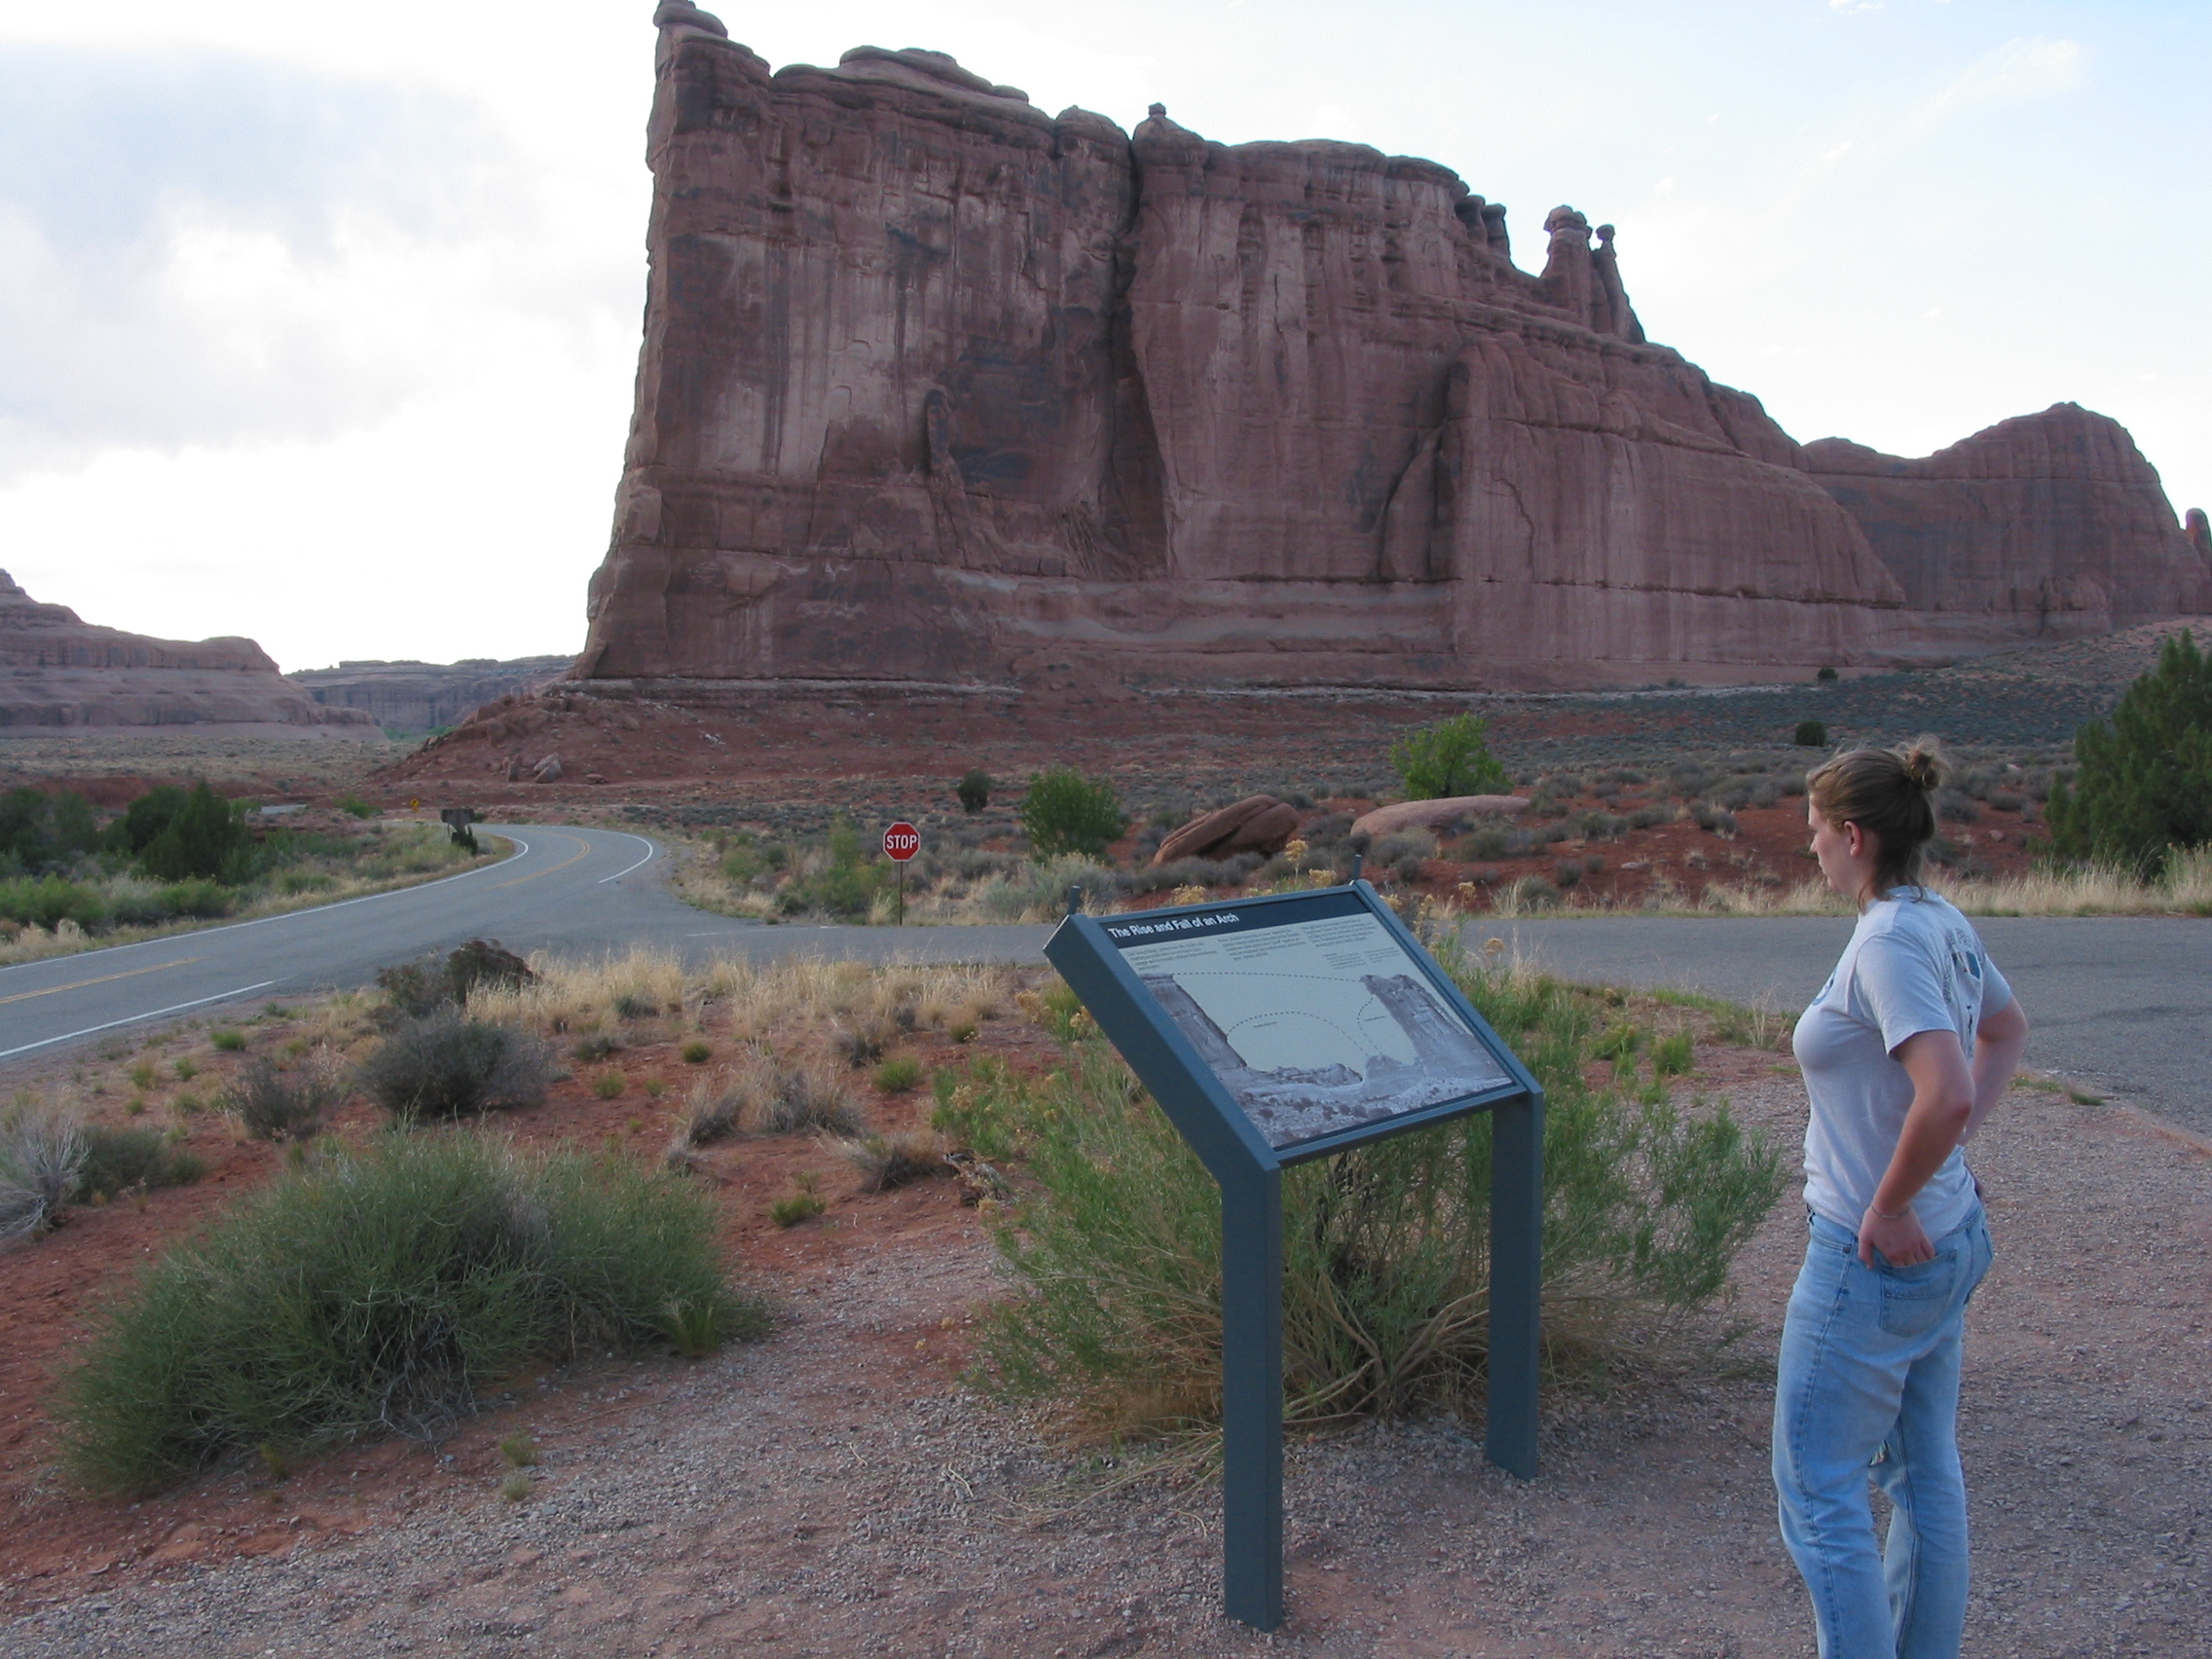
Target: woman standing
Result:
[1908, 1047]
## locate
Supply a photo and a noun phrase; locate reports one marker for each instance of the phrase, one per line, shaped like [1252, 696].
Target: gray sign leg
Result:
[1251, 1403]
[1516, 1271]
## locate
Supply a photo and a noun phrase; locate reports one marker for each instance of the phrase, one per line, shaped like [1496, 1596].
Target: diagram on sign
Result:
[1315, 1027]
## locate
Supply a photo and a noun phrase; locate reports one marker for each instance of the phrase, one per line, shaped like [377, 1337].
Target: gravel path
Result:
[833, 1491]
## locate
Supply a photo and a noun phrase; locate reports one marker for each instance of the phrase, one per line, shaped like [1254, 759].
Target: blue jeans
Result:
[1868, 1387]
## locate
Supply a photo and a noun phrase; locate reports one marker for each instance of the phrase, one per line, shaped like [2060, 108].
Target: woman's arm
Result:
[1997, 1049]
[1943, 1102]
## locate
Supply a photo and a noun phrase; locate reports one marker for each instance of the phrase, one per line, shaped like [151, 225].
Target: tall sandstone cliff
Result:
[937, 387]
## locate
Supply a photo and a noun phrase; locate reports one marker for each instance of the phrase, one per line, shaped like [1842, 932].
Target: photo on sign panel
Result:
[1314, 1024]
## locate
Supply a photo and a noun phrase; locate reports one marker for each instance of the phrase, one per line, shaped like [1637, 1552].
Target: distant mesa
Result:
[59, 673]
[937, 387]
[426, 696]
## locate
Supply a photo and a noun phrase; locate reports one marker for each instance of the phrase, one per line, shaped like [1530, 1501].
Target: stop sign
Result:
[902, 841]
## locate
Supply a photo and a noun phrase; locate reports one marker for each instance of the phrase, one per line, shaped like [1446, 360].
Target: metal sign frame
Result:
[1249, 1172]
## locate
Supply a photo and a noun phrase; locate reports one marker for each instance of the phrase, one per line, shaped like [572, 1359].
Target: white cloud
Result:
[2023, 68]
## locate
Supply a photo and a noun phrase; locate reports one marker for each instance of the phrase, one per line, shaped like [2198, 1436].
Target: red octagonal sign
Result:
[902, 841]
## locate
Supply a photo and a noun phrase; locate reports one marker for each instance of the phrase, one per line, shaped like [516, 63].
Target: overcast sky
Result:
[318, 323]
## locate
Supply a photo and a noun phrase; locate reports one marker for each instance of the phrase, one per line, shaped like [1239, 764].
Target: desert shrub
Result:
[696, 1053]
[861, 1043]
[353, 806]
[42, 1158]
[1064, 812]
[40, 832]
[1671, 1056]
[607, 1086]
[711, 1113]
[1450, 758]
[898, 1160]
[1568, 872]
[1956, 806]
[119, 1159]
[974, 789]
[2143, 779]
[1717, 819]
[1534, 893]
[47, 901]
[227, 1041]
[1826, 674]
[444, 1067]
[275, 1101]
[899, 1074]
[205, 839]
[804, 1203]
[364, 1295]
[597, 1046]
[1384, 1273]
[429, 984]
[792, 1098]
[1810, 734]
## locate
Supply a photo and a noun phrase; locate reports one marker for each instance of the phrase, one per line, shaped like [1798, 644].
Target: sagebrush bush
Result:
[42, 1158]
[794, 1097]
[373, 1294]
[118, 1160]
[897, 1160]
[446, 1066]
[1385, 1268]
[277, 1100]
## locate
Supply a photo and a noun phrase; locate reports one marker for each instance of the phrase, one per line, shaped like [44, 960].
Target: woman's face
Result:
[1846, 853]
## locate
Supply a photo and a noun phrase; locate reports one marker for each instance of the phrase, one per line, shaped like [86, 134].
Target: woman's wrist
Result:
[1875, 1209]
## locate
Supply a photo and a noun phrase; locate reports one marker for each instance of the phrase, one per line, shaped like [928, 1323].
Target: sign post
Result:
[901, 843]
[1283, 1029]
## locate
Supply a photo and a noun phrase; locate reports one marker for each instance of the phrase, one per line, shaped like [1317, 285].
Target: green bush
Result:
[49, 900]
[118, 1160]
[1810, 734]
[2143, 785]
[274, 1102]
[1385, 1262]
[135, 830]
[445, 1066]
[897, 1074]
[1065, 812]
[205, 839]
[974, 789]
[203, 899]
[1450, 758]
[354, 806]
[365, 1295]
[40, 832]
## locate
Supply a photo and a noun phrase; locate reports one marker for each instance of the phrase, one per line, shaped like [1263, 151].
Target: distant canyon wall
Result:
[937, 387]
[423, 696]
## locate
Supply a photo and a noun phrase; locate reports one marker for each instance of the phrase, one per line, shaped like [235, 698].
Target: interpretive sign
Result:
[1284, 1028]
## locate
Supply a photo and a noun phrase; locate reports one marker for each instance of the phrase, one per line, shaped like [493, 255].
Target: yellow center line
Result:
[104, 979]
[583, 851]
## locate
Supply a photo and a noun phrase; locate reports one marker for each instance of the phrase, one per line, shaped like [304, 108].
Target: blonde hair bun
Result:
[1924, 763]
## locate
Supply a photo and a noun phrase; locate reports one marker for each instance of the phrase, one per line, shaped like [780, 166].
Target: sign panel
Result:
[902, 841]
[1315, 1017]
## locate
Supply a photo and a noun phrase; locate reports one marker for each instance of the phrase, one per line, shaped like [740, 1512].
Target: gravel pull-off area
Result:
[834, 1490]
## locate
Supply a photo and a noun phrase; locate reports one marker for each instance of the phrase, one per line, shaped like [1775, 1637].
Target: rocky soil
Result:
[836, 1490]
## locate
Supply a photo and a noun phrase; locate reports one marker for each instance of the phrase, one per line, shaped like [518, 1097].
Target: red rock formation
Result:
[937, 388]
[2044, 525]
[57, 670]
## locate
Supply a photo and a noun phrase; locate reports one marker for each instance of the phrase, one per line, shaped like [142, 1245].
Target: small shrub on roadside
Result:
[446, 1066]
[42, 1158]
[804, 1203]
[887, 1160]
[897, 1074]
[599, 1046]
[353, 806]
[1671, 1056]
[1065, 812]
[804, 1096]
[364, 1295]
[697, 1053]
[1810, 734]
[607, 1085]
[119, 1159]
[711, 1113]
[974, 789]
[275, 1102]
[1826, 674]
[229, 1042]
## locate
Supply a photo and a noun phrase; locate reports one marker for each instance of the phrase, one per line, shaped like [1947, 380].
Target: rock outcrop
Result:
[936, 387]
[424, 697]
[57, 670]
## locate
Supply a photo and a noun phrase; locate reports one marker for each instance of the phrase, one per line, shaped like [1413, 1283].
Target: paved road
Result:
[574, 891]
[2121, 1001]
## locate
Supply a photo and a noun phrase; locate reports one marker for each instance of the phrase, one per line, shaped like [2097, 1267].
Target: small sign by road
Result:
[901, 843]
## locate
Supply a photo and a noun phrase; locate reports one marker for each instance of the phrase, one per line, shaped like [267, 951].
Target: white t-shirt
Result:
[1913, 963]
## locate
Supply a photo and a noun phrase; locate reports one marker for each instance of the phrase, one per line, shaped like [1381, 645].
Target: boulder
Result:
[1434, 814]
[1267, 831]
[547, 770]
[1209, 830]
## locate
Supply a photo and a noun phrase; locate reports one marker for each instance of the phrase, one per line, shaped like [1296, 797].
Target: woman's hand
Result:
[1901, 1239]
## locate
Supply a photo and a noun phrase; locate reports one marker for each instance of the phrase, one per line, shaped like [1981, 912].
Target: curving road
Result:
[2125, 1001]
[580, 891]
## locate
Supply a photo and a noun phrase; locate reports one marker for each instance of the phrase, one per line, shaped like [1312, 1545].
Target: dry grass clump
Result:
[897, 1160]
[42, 1154]
[713, 1111]
[795, 1096]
